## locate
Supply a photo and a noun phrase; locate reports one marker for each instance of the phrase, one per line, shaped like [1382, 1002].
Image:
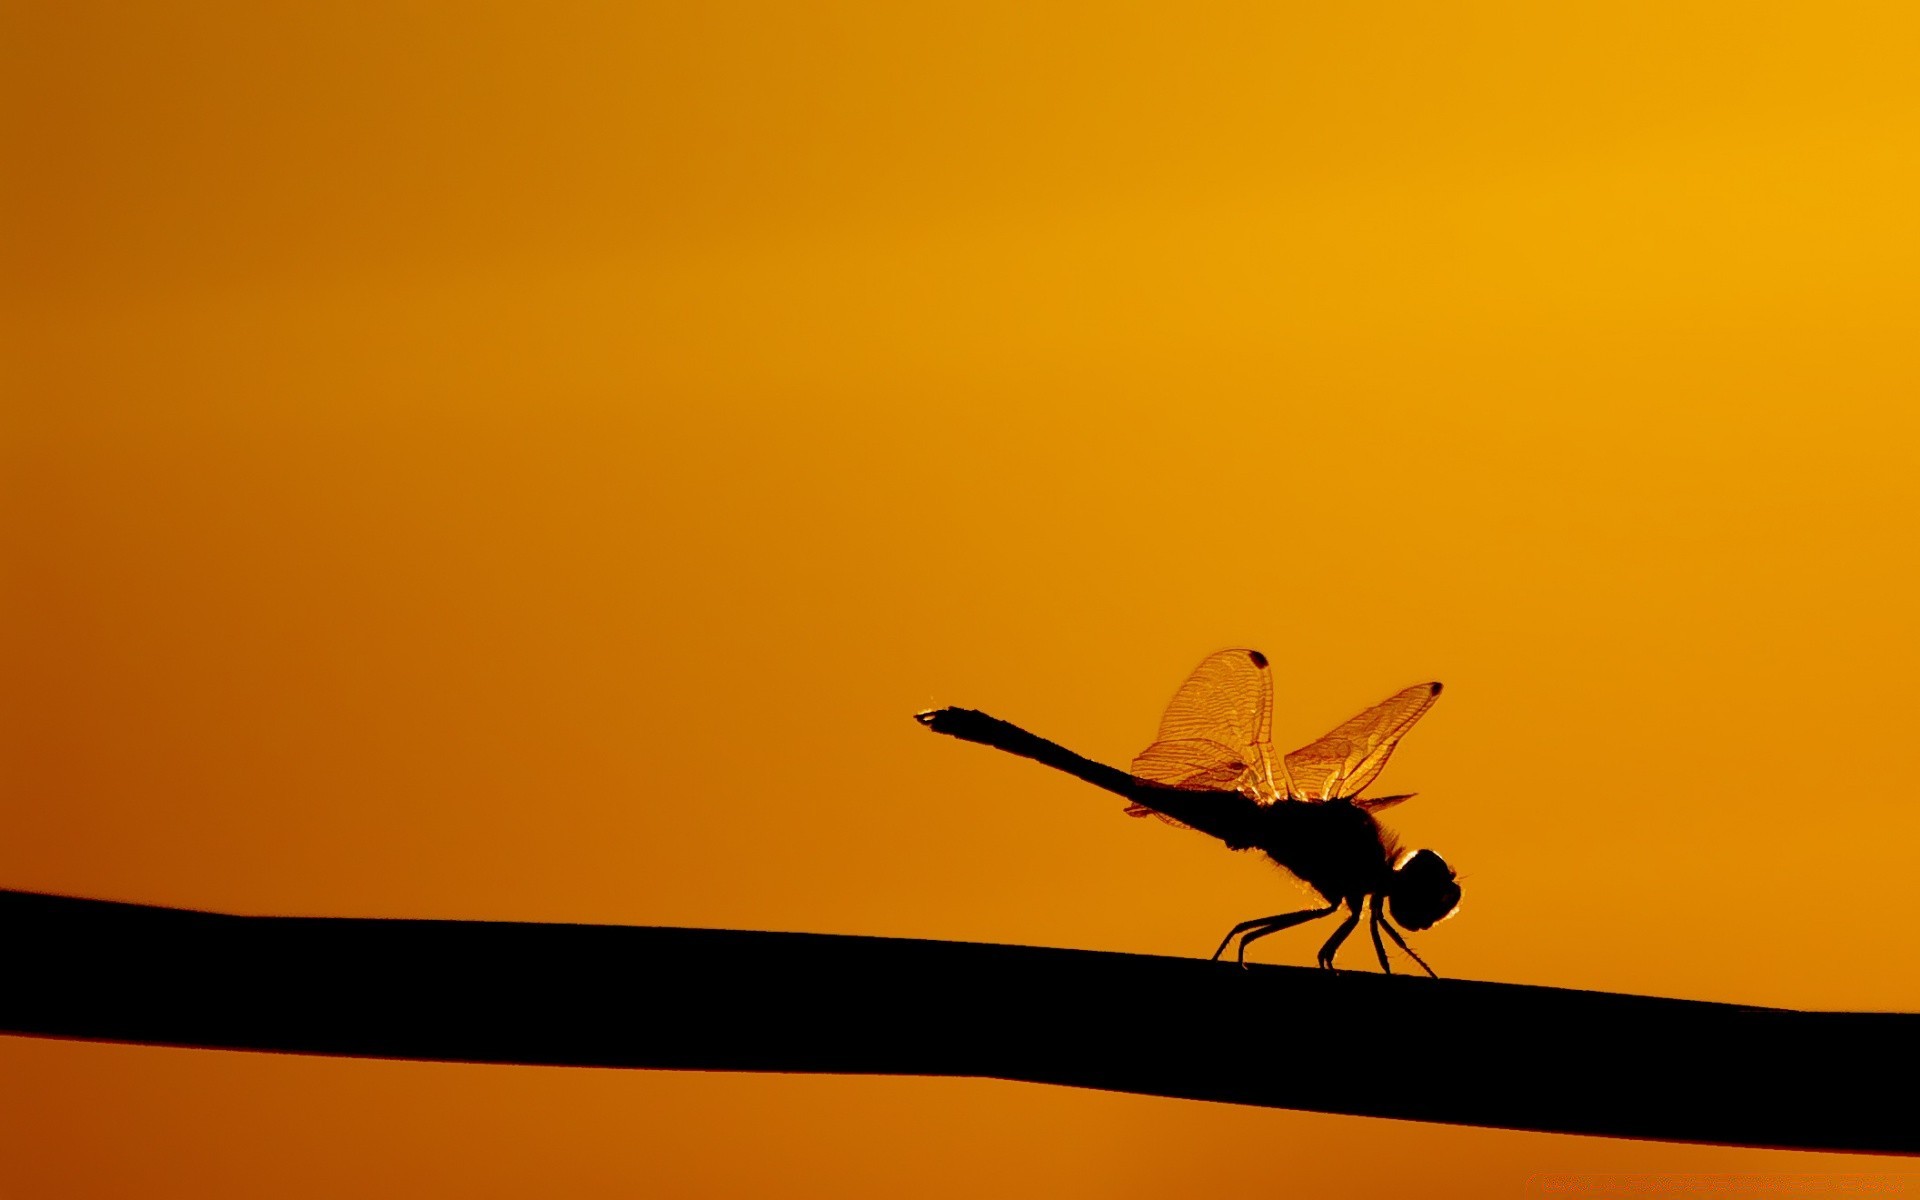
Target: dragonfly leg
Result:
[1402, 943]
[1379, 947]
[1286, 922]
[1339, 935]
[1262, 926]
[1239, 929]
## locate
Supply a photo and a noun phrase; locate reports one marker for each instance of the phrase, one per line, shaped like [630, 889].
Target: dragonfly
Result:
[1212, 768]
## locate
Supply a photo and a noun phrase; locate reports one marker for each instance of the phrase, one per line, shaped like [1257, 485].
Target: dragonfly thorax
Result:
[1335, 847]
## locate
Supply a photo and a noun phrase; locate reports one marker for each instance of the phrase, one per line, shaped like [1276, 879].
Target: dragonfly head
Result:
[1423, 892]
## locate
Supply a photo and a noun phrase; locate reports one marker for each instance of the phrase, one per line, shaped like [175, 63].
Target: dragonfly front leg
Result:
[1262, 926]
[1339, 935]
[1402, 943]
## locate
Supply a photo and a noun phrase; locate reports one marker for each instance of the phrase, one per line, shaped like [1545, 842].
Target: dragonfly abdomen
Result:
[1229, 816]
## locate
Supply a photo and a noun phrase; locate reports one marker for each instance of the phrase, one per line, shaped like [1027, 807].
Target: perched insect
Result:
[1212, 768]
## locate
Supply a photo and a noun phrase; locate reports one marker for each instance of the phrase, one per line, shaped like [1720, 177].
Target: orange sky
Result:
[530, 462]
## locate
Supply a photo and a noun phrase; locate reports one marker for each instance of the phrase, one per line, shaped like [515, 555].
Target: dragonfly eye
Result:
[1424, 891]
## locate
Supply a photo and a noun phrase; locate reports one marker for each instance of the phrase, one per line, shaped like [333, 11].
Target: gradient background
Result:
[529, 462]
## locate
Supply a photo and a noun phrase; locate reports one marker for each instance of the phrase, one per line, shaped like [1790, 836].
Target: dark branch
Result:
[708, 999]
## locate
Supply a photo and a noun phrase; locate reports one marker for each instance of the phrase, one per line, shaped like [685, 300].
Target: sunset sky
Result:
[530, 462]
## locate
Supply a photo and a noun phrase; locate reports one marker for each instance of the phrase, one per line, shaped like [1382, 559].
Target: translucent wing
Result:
[1346, 760]
[1215, 731]
[1192, 763]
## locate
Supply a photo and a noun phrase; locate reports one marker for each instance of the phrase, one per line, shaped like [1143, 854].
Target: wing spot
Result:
[1259, 659]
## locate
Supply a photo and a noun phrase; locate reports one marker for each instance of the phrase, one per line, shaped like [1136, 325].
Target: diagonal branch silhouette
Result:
[712, 999]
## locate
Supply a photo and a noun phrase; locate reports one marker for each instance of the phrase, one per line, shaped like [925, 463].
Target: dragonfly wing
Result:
[1214, 734]
[1347, 759]
[1190, 763]
[1376, 803]
[1228, 699]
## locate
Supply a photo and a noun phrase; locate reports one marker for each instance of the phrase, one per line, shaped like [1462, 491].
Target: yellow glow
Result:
[528, 462]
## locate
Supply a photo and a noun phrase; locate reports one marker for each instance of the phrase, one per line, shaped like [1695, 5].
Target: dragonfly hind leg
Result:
[1260, 927]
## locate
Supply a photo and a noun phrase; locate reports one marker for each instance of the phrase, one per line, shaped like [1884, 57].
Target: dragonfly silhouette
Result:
[1212, 768]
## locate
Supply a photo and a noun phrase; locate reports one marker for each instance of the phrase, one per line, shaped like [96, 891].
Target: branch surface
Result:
[715, 999]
